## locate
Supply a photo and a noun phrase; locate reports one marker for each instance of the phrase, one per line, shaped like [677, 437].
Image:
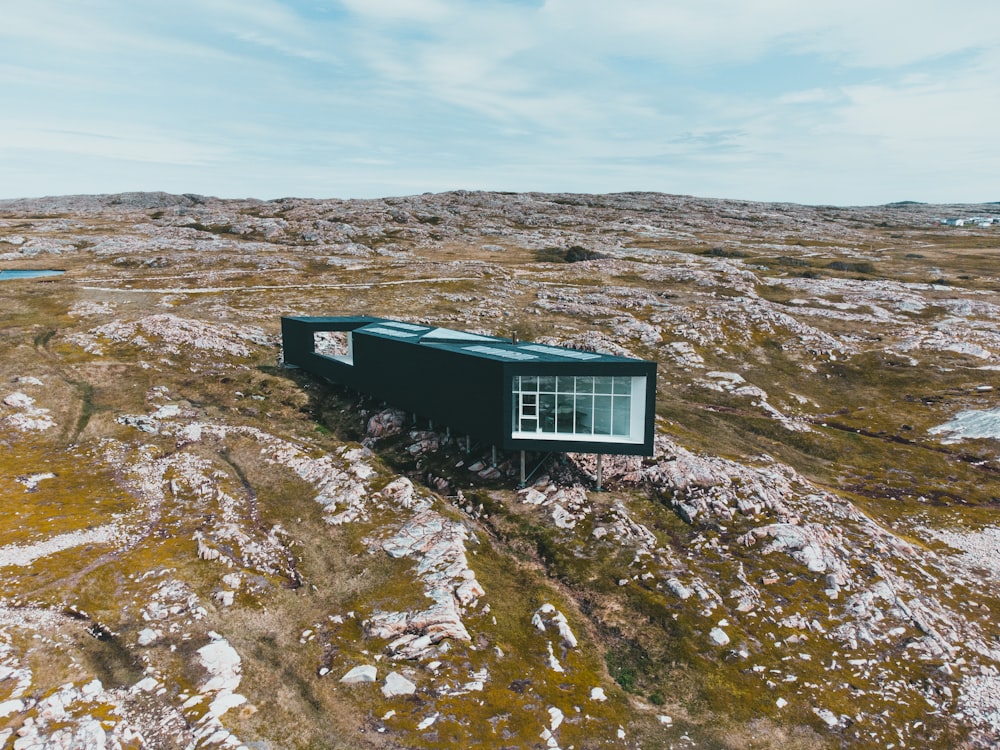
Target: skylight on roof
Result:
[498, 352]
[446, 334]
[557, 352]
[404, 326]
[390, 332]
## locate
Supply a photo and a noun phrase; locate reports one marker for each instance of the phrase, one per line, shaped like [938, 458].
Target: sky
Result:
[852, 102]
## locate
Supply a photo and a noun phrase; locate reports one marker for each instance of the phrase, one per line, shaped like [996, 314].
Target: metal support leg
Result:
[494, 464]
[599, 457]
[523, 479]
[468, 444]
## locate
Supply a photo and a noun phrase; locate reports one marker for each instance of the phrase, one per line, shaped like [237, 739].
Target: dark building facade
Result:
[512, 395]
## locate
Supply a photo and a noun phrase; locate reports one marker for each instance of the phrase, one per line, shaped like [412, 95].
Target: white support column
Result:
[599, 457]
[523, 479]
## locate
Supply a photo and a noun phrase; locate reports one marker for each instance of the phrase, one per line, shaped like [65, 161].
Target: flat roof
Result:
[479, 345]
[464, 342]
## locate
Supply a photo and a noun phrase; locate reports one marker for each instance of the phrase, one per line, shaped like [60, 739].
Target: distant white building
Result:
[981, 221]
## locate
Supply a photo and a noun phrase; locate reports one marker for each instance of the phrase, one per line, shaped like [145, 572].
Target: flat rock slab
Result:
[396, 684]
[361, 673]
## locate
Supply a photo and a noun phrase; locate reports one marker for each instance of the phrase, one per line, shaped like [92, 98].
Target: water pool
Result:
[27, 274]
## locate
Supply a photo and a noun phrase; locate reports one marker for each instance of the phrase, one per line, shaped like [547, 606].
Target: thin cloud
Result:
[111, 141]
[422, 12]
[818, 102]
[809, 96]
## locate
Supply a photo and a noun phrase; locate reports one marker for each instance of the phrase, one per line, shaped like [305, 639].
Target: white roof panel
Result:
[446, 334]
[558, 352]
[390, 332]
[496, 351]
[404, 326]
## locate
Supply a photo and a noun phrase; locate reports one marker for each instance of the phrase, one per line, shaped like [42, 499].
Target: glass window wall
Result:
[573, 405]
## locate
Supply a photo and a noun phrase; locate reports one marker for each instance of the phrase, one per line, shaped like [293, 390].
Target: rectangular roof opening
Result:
[556, 351]
[394, 332]
[496, 351]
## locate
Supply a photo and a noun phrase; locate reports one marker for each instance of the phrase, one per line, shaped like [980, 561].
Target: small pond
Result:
[27, 274]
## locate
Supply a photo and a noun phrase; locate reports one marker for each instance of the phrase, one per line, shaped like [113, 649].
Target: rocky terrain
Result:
[203, 548]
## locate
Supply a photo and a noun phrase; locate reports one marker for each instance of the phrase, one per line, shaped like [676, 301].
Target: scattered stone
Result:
[828, 717]
[31, 481]
[15, 555]
[19, 400]
[147, 685]
[718, 637]
[222, 663]
[30, 418]
[678, 588]
[359, 674]
[531, 496]
[175, 335]
[396, 684]
[553, 662]
[426, 723]
[555, 718]
[548, 616]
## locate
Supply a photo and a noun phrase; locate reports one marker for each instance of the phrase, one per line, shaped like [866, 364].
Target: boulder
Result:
[718, 637]
[396, 684]
[361, 673]
[386, 423]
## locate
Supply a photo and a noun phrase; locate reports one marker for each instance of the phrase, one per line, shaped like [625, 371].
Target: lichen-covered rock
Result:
[396, 684]
[175, 335]
[437, 546]
[547, 616]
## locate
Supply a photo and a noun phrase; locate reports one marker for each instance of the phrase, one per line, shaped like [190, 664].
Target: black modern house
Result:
[509, 394]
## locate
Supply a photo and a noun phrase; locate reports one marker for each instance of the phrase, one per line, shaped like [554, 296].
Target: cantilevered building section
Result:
[515, 396]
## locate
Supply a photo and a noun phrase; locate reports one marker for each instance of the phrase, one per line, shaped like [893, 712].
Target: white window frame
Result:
[637, 414]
